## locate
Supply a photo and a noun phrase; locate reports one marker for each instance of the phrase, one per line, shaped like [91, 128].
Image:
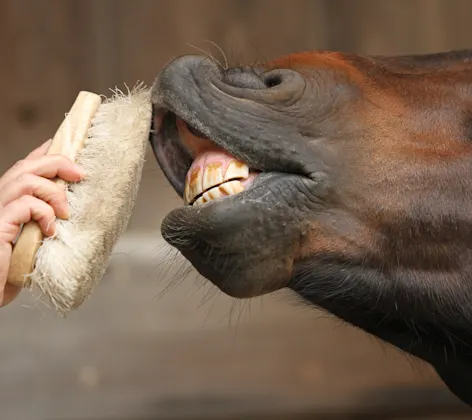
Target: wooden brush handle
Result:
[68, 141]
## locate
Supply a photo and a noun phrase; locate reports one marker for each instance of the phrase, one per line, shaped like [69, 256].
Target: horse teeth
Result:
[231, 187]
[193, 186]
[203, 181]
[199, 201]
[236, 169]
[213, 175]
[213, 194]
[224, 190]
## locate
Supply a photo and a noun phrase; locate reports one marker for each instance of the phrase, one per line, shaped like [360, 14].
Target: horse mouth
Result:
[198, 169]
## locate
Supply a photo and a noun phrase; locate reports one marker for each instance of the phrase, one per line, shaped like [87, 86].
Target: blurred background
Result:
[154, 341]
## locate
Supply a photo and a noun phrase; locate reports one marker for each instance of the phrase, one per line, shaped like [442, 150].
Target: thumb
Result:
[12, 217]
[8, 292]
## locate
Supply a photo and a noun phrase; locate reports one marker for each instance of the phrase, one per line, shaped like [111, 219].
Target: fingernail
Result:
[81, 172]
[50, 229]
[65, 212]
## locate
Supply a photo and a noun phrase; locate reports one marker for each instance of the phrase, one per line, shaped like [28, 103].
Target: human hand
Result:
[27, 192]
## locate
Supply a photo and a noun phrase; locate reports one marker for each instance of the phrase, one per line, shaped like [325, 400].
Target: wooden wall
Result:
[131, 352]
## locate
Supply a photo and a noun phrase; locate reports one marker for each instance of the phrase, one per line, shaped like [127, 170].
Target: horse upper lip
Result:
[186, 87]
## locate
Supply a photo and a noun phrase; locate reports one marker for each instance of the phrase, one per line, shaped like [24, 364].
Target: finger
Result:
[21, 211]
[49, 166]
[39, 151]
[12, 217]
[8, 292]
[42, 188]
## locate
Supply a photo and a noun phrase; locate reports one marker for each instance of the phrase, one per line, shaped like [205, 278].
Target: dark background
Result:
[137, 350]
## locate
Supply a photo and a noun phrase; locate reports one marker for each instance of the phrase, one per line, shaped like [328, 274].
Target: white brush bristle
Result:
[68, 266]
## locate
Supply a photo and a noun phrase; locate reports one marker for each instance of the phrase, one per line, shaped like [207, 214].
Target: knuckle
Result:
[62, 195]
[24, 184]
[57, 197]
[21, 164]
[26, 178]
[46, 211]
[60, 160]
[25, 200]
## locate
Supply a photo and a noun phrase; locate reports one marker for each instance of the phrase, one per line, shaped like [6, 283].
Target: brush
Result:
[108, 138]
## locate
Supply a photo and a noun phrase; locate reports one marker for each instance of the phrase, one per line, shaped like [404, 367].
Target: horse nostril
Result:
[272, 79]
[249, 78]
